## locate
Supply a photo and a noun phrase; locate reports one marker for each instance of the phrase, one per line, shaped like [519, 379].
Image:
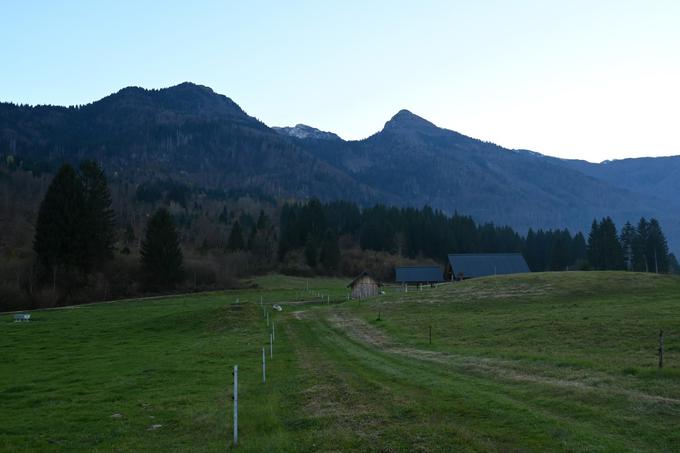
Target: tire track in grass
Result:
[486, 416]
[352, 409]
[362, 331]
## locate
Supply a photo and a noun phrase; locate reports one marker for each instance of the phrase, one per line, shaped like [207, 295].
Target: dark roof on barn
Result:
[481, 264]
[363, 274]
[418, 274]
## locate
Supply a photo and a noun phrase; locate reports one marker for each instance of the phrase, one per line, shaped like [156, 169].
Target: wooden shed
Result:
[364, 286]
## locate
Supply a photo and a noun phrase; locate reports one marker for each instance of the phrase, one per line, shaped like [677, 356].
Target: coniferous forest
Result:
[163, 236]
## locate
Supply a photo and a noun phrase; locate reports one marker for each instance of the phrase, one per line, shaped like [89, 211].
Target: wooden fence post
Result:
[235, 405]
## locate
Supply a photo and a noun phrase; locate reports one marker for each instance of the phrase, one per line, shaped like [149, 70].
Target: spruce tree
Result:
[532, 251]
[98, 218]
[559, 254]
[284, 247]
[640, 259]
[330, 251]
[595, 246]
[612, 251]
[628, 240]
[656, 248]
[579, 248]
[604, 248]
[59, 234]
[311, 252]
[262, 221]
[162, 259]
[252, 238]
[235, 241]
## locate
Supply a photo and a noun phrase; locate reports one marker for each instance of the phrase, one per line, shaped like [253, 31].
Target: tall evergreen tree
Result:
[252, 237]
[628, 241]
[162, 259]
[98, 217]
[58, 241]
[311, 252]
[595, 251]
[235, 241]
[284, 248]
[262, 239]
[559, 254]
[604, 248]
[262, 221]
[612, 251]
[640, 258]
[579, 249]
[532, 251]
[656, 248]
[330, 251]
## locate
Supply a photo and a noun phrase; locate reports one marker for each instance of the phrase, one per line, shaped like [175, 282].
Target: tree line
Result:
[414, 233]
[76, 235]
[641, 248]
[428, 233]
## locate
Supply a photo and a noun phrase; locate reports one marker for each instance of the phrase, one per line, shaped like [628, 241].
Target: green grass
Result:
[559, 361]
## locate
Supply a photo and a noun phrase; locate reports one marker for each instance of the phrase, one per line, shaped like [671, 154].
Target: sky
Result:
[577, 79]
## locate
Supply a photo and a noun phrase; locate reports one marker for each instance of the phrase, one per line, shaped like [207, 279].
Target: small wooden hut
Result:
[364, 286]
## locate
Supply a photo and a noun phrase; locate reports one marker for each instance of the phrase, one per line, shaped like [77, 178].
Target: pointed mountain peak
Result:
[405, 120]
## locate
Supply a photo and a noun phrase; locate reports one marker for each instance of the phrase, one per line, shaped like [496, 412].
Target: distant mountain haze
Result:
[189, 133]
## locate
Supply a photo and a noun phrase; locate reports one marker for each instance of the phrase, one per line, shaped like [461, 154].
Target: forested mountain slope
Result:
[191, 134]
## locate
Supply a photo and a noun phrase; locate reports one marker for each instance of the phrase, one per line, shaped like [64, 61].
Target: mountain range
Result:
[191, 134]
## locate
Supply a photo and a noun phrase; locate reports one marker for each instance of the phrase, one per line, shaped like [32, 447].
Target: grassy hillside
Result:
[543, 361]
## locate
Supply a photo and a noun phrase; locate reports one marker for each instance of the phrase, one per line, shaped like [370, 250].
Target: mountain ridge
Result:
[304, 131]
[191, 133]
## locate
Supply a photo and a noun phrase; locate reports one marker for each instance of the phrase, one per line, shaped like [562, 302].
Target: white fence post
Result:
[235, 405]
[273, 332]
[271, 347]
[264, 366]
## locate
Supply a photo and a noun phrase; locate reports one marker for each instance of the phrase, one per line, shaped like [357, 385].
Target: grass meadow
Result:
[536, 362]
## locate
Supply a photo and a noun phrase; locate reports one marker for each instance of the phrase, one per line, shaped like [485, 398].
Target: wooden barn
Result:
[418, 275]
[364, 286]
[470, 265]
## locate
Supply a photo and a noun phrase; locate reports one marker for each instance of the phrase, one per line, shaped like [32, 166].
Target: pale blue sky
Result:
[583, 79]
